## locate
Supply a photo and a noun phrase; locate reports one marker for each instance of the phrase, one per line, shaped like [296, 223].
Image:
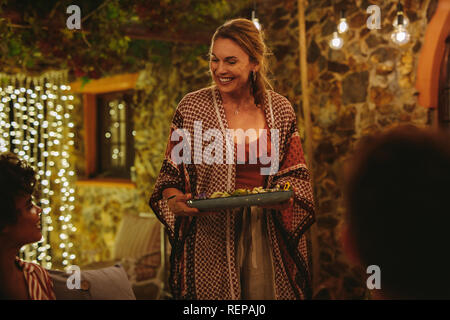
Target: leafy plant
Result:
[35, 36]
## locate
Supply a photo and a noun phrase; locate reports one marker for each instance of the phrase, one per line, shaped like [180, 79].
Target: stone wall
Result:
[99, 212]
[364, 88]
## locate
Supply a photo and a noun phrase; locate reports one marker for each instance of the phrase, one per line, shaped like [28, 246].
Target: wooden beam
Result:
[308, 131]
[109, 84]
[111, 183]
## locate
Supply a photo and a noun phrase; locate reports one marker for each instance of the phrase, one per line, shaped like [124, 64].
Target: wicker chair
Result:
[138, 245]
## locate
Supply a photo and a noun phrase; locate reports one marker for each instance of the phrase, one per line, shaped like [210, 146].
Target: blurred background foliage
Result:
[35, 38]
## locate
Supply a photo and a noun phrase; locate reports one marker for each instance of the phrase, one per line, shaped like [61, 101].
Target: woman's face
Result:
[230, 66]
[27, 229]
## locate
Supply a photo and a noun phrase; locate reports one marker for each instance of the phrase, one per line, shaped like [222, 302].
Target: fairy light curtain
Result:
[35, 124]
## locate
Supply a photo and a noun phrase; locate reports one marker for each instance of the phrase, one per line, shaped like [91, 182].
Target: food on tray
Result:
[245, 192]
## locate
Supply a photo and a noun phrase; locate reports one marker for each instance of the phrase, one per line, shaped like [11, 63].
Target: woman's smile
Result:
[225, 80]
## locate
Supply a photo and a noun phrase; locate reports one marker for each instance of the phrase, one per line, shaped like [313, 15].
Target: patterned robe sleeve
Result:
[293, 223]
[171, 175]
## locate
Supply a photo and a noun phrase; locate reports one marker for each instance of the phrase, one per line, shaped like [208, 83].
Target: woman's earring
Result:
[254, 76]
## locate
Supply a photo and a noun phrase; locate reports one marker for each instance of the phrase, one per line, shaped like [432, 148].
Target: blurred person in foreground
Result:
[398, 216]
[20, 224]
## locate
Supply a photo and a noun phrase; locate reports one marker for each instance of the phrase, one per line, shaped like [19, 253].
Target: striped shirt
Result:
[40, 286]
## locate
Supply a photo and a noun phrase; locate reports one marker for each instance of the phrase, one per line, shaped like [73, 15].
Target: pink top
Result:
[249, 175]
[40, 286]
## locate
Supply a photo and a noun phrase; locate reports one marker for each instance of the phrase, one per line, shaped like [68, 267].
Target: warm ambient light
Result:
[336, 42]
[256, 21]
[36, 125]
[400, 36]
[342, 26]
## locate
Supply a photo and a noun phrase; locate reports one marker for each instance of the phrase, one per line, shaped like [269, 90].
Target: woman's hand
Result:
[179, 207]
[281, 206]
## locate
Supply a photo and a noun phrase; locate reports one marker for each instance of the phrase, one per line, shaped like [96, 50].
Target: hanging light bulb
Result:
[400, 36]
[256, 21]
[343, 25]
[400, 13]
[336, 42]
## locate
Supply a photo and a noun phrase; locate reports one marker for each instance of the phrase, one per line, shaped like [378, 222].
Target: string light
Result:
[35, 123]
[400, 36]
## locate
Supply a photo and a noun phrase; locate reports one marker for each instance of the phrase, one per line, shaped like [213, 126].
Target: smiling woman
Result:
[20, 224]
[258, 252]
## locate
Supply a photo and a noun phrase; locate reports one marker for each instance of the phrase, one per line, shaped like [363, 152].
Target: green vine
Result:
[35, 37]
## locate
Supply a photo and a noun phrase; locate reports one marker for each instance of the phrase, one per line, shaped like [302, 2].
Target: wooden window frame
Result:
[89, 92]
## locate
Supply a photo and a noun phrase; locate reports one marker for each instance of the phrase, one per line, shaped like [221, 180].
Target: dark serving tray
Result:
[258, 199]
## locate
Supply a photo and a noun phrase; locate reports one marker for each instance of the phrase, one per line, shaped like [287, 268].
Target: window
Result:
[108, 130]
[115, 135]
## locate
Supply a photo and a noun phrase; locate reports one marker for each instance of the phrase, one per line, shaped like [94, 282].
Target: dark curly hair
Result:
[397, 195]
[17, 178]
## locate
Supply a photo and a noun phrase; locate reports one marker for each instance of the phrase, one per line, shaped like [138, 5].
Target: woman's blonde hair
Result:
[244, 33]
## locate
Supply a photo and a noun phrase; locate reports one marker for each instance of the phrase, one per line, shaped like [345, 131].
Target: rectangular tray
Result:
[259, 199]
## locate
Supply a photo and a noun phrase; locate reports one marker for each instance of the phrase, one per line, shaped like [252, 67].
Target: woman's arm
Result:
[169, 192]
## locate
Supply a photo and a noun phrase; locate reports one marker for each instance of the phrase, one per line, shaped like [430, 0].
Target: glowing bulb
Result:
[342, 26]
[400, 36]
[336, 42]
[255, 21]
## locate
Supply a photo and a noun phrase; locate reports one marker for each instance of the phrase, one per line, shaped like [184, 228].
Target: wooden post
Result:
[308, 129]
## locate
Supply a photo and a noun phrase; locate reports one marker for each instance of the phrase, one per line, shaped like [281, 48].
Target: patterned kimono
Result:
[203, 258]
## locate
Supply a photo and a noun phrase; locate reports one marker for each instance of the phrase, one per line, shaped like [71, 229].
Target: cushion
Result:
[102, 284]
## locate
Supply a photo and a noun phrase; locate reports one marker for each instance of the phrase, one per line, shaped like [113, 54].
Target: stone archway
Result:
[431, 56]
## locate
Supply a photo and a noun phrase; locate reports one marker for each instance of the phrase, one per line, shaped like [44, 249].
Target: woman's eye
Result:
[231, 62]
